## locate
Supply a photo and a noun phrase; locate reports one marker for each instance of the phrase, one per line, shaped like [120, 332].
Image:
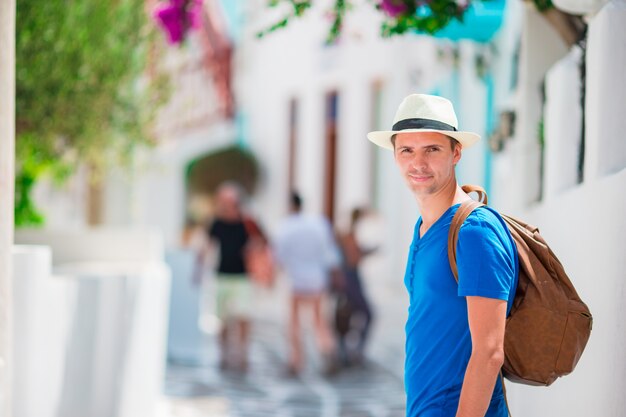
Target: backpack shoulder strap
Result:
[480, 192]
[460, 216]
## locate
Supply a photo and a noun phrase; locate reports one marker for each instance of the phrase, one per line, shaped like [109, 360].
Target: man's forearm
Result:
[478, 384]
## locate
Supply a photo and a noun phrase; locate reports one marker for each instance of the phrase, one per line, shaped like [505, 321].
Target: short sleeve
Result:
[485, 257]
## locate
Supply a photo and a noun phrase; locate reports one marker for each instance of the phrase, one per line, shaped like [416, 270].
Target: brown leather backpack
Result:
[549, 325]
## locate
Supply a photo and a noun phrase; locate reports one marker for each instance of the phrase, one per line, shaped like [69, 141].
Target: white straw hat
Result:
[424, 113]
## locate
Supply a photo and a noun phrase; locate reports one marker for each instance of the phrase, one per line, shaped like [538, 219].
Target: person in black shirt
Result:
[234, 288]
[232, 238]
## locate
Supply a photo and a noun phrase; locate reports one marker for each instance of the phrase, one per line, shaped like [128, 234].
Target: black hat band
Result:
[422, 124]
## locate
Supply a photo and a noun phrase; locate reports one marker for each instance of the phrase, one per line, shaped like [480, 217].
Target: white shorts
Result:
[235, 296]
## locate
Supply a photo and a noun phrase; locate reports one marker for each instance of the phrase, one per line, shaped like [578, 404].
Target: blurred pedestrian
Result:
[454, 332]
[353, 311]
[306, 250]
[234, 304]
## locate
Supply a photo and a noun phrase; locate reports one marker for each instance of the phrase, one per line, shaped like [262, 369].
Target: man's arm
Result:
[487, 319]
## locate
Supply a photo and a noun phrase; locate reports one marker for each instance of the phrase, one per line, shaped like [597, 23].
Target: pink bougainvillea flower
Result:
[171, 18]
[181, 4]
[393, 7]
[177, 16]
[195, 14]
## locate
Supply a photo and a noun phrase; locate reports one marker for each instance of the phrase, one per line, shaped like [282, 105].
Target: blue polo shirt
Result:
[438, 343]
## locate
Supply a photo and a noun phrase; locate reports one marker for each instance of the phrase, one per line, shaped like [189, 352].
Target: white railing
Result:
[90, 319]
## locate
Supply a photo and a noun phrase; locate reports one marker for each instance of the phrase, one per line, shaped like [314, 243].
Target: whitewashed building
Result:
[309, 106]
[304, 109]
[578, 201]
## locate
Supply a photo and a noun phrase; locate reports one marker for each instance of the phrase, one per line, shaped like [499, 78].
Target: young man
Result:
[305, 247]
[454, 332]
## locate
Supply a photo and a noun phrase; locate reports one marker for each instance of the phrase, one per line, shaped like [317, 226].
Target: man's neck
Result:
[432, 206]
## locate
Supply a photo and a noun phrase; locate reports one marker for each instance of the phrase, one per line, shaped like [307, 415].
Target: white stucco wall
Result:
[91, 309]
[563, 124]
[150, 193]
[606, 89]
[472, 108]
[584, 224]
[585, 227]
[153, 194]
[540, 49]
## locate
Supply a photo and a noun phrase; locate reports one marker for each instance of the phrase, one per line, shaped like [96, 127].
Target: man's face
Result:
[426, 160]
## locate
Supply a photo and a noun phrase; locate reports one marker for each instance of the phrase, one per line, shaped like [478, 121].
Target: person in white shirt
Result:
[305, 248]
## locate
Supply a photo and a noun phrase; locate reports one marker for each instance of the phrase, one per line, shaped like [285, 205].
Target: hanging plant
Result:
[400, 16]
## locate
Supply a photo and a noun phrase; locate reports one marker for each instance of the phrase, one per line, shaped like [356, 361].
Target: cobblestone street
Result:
[374, 389]
[368, 390]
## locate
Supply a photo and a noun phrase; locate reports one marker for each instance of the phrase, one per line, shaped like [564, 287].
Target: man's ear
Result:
[456, 154]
